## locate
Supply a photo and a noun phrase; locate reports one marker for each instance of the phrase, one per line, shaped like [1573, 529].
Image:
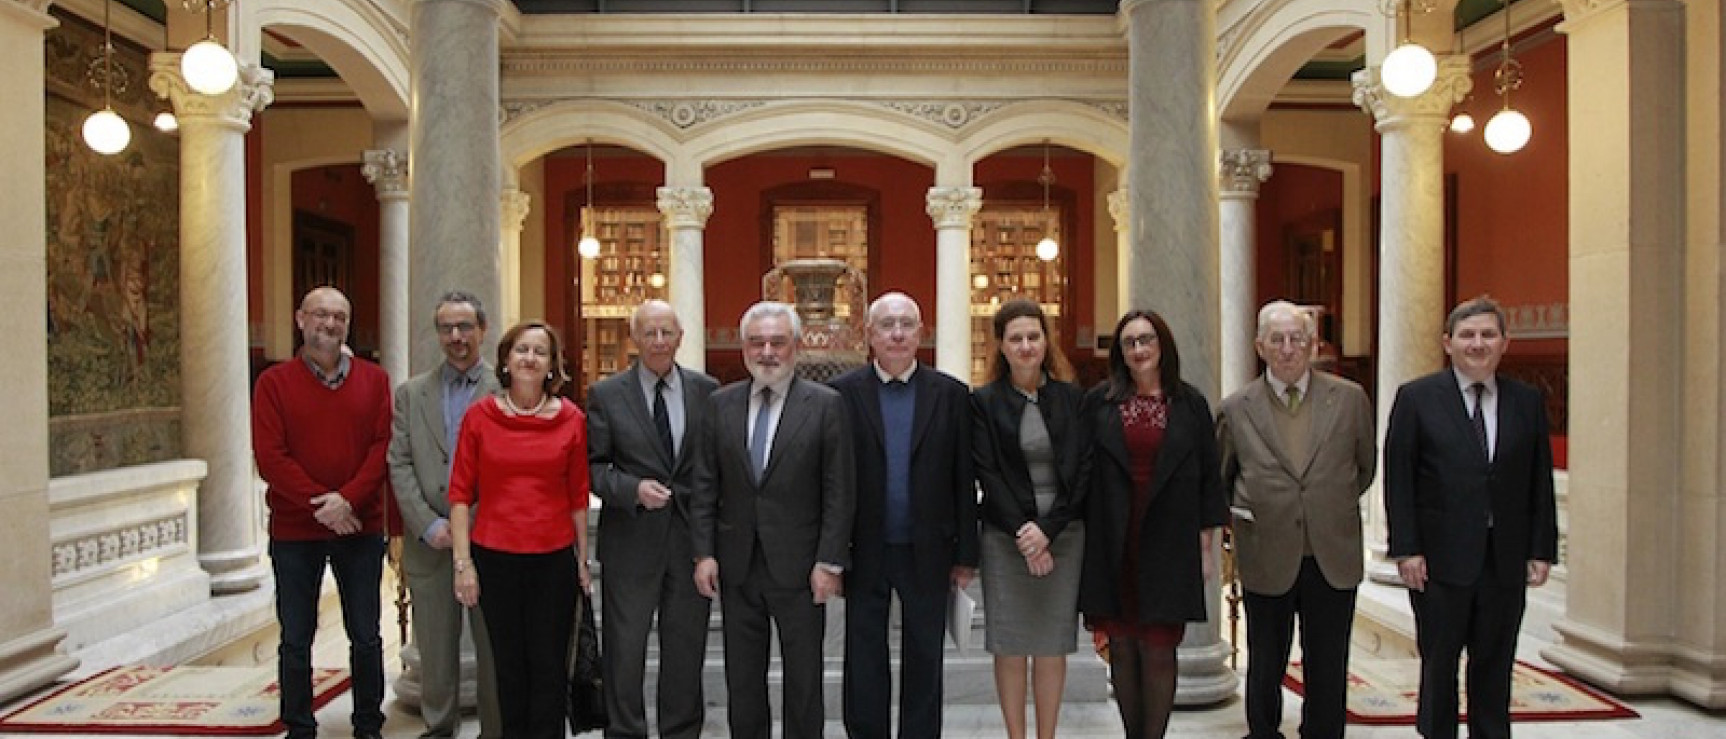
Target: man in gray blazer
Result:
[1298, 451]
[428, 412]
[644, 442]
[772, 523]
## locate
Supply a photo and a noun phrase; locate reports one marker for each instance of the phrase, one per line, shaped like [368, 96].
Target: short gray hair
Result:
[1280, 308]
[770, 309]
[462, 296]
[888, 297]
[635, 315]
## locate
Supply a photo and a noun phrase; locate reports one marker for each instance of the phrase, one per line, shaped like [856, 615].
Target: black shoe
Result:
[373, 734]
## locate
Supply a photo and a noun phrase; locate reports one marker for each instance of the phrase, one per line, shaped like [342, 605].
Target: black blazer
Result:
[1009, 501]
[1186, 498]
[1439, 486]
[943, 486]
[800, 512]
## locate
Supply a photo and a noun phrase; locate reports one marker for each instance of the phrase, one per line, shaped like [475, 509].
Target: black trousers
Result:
[1326, 620]
[868, 671]
[1483, 618]
[751, 609]
[529, 602]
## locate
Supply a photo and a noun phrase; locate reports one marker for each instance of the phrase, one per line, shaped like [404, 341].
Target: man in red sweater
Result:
[320, 429]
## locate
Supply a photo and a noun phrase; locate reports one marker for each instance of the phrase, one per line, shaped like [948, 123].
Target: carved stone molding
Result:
[514, 206]
[34, 12]
[1453, 84]
[234, 108]
[553, 63]
[949, 113]
[1541, 321]
[953, 207]
[685, 207]
[387, 170]
[1120, 208]
[136, 541]
[1242, 170]
[690, 113]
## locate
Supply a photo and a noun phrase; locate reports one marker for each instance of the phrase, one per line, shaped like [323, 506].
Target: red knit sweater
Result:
[310, 440]
[527, 474]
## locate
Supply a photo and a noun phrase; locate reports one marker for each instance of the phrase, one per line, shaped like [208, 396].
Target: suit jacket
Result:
[1440, 489]
[1008, 498]
[623, 448]
[1186, 497]
[943, 484]
[419, 457]
[800, 512]
[1292, 500]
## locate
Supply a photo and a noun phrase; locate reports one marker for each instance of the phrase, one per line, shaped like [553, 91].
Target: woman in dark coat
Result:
[1154, 504]
[1032, 546]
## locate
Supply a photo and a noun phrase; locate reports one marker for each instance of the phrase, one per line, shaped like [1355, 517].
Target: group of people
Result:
[777, 494]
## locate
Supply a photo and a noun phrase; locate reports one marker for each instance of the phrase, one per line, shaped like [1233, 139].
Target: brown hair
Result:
[1121, 385]
[1055, 363]
[554, 377]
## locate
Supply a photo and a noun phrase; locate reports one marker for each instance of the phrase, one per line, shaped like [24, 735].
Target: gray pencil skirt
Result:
[1026, 615]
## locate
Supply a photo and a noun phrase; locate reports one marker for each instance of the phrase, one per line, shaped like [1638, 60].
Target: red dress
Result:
[1144, 420]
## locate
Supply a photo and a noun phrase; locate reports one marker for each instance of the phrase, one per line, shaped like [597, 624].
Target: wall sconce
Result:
[207, 65]
[1048, 248]
[588, 247]
[1508, 130]
[1409, 69]
[105, 132]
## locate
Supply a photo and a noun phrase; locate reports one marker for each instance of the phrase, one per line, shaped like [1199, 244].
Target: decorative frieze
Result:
[952, 114]
[688, 113]
[1541, 321]
[1116, 109]
[100, 549]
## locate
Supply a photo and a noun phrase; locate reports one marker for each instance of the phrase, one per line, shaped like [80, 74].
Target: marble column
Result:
[29, 642]
[1642, 613]
[952, 209]
[1242, 172]
[216, 412]
[514, 206]
[387, 170]
[1121, 211]
[1172, 178]
[686, 210]
[454, 156]
[1411, 307]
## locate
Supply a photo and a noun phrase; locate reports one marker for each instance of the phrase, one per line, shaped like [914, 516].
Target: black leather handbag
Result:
[586, 686]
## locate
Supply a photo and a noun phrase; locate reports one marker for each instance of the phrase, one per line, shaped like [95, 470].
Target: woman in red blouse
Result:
[1154, 501]
[518, 515]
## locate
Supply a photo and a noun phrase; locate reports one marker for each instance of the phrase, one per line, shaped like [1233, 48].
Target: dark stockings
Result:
[1144, 680]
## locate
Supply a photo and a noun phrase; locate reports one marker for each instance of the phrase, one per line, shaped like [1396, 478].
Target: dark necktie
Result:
[758, 438]
[662, 420]
[1479, 417]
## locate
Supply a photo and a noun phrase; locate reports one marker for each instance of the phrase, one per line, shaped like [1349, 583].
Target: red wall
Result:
[340, 193]
[1295, 192]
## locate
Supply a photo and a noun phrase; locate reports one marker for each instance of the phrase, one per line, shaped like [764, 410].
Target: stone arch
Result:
[1267, 46]
[1074, 125]
[361, 41]
[864, 125]
[543, 130]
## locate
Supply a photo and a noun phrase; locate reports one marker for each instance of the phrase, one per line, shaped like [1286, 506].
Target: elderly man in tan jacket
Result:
[1298, 451]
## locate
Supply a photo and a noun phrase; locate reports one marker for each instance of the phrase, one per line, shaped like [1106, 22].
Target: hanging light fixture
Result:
[207, 65]
[588, 247]
[1048, 248]
[1409, 69]
[166, 121]
[1463, 121]
[1508, 130]
[105, 131]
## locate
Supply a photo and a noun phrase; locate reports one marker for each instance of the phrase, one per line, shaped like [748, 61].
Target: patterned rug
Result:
[199, 701]
[1385, 692]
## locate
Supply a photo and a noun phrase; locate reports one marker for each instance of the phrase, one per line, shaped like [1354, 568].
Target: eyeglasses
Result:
[1138, 340]
[1298, 341]
[904, 323]
[321, 315]
[659, 334]
[758, 343]
[464, 328]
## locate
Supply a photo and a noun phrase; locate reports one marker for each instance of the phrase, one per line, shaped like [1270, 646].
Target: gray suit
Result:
[1295, 480]
[646, 555]
[767, 537]
[419, 462]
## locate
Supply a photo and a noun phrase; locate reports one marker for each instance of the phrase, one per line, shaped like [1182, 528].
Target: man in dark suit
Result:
[1298, 451]
[428, 412]
[916, 531]
[1473, 523]
[771, 519]
[644, 443]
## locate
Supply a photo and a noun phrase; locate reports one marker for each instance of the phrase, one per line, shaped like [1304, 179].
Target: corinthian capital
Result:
[1243, 169]
[952, 207]
[686, 207]
[232, 109]
[514, 206]
[1432, 106]
[387, 170]
[1120, 208]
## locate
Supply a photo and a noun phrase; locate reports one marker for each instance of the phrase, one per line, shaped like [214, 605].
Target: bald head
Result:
[657, 333]
[323, 322]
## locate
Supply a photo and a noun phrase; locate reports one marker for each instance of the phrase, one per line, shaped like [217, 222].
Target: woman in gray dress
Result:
[1033, 532]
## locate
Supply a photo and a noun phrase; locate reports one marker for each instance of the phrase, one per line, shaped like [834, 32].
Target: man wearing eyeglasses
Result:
[320, 428]
[1298, 450]
[428, 412]
[644, 442]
